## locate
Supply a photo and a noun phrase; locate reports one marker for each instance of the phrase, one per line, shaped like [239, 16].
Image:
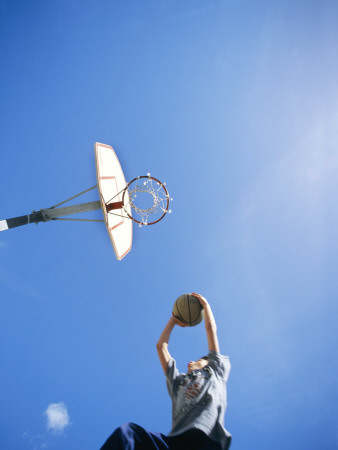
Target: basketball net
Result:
[148, 198]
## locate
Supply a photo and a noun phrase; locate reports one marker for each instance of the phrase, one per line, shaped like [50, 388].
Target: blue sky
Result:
[234, 105]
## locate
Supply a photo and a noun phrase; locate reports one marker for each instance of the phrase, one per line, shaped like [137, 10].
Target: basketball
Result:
[188, 310]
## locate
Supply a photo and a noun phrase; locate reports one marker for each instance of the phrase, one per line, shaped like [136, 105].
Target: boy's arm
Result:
[162, 344]
[210, 324]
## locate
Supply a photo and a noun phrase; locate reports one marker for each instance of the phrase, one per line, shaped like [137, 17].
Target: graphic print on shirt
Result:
[193, 386]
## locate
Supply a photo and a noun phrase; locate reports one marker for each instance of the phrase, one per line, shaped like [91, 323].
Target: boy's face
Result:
[197, 365]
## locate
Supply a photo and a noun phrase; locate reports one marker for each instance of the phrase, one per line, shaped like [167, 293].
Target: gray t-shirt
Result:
[199, 398]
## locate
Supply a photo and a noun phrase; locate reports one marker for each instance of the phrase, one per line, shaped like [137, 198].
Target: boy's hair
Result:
[205, 357]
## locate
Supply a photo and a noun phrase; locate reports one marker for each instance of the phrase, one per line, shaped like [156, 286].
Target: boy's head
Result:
[199, 364]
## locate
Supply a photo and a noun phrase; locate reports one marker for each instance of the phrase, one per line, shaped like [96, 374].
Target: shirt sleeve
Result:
[220, 364]
[171, 374]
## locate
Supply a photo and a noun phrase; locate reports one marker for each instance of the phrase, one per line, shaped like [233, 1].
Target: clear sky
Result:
[234, 104]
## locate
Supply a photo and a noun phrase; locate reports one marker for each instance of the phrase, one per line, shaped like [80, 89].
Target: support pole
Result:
[44, 215]
[35, 217]
[52, 213]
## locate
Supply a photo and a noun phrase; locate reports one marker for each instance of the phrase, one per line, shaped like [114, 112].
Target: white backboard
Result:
[110, 182]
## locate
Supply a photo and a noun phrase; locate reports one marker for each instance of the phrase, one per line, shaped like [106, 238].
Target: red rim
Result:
[165, 190]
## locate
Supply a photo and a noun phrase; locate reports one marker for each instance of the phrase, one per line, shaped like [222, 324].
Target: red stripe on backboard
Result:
[117, 225]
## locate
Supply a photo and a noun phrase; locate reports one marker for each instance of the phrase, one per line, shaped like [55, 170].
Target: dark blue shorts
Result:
[133, 437]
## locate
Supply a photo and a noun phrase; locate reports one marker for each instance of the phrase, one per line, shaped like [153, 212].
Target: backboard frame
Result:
[110, 183]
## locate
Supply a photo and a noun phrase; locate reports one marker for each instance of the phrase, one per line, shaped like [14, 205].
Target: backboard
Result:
[110, 184]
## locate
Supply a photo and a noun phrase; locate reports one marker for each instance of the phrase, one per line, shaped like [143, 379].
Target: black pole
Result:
[35, 217]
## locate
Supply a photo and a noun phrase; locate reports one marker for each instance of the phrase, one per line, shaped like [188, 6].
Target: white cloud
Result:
[57, 417]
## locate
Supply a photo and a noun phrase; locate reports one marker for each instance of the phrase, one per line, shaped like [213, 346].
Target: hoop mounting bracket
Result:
[114, 205]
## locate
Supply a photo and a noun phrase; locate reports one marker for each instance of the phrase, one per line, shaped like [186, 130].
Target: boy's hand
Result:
[178, 322]
[203, 301]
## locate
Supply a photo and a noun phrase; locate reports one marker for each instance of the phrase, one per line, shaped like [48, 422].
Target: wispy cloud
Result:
[57, 417]
[17, 284]
[36, 441]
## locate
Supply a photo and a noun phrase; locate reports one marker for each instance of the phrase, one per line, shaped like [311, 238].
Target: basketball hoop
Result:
[144, 196]
[147, 197]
